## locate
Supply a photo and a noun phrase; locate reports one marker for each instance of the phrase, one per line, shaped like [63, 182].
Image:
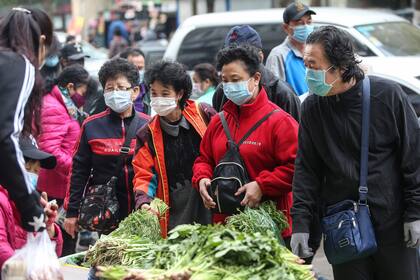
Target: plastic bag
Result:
[36, 260]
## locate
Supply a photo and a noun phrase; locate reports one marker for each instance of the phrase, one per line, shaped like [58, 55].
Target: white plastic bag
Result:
[36, 260]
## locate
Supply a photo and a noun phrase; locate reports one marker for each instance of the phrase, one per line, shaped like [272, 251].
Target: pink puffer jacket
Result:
[59, 133]
[12, 235]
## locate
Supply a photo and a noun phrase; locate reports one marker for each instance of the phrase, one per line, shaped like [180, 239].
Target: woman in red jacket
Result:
[268, 153]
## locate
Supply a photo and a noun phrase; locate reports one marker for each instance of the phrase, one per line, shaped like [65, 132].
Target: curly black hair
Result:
[118, 67]
[339, 50]
[245, 53]
[171, 74]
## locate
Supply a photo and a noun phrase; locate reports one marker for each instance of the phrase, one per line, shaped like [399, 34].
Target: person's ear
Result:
[135, 92]
[257, 78]
[286, 28]
[70, 88]
[261, 54]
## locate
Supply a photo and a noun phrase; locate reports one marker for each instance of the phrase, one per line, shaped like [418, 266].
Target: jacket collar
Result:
[292, 47]
[248, 109]
[267, 77]
[117, 115]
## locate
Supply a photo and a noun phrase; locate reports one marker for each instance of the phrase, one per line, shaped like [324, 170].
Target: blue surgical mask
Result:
[34, 179]
[141, 76]
[316, 81]
[238, 92]
[51, 61]
[118, 100]
[301, 32]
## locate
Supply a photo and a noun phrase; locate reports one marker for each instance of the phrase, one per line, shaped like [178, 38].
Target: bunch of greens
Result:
[143, 223]
[264, 219]
[246, 248]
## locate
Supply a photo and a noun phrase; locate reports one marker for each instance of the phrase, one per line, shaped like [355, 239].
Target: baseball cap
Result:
[295, 11]
[73, 52]
[243, 34]
[30, 150]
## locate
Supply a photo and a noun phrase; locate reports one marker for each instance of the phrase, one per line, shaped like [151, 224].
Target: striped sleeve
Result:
[16, 83]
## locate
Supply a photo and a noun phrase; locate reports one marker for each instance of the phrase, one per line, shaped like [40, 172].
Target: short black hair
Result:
[117, 32]
[118, 67]
[339, 50]
[171, 74]
[245, 53]
[74, 74]
[207, 71]
[131, 52]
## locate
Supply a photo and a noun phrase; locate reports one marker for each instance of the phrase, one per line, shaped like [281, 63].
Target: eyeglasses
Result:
[120, 88]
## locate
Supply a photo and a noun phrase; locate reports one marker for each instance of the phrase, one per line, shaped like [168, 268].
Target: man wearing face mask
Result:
[168, 146]
[137, 57]
[286, 60]
[328, 160]
[278, 91]
[101, 139]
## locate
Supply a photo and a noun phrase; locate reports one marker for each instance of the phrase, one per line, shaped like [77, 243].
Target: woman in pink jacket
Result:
[60, 128]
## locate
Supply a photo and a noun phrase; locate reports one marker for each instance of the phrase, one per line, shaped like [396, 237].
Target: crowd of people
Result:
[295, 124]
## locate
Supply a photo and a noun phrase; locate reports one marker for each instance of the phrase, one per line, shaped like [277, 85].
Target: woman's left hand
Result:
[253, 194]
[51, 212]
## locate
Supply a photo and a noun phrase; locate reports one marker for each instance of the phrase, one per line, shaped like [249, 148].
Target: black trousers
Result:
[392, 261]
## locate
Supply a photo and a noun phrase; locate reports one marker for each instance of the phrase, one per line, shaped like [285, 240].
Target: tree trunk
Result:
[210, 6]
[416, 16]
[194, 7]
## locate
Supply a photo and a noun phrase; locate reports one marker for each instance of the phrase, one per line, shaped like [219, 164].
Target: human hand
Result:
[299, 244]
[412, 234]
[70, 226]
[203, 188]
[148, 208]
[253, 194]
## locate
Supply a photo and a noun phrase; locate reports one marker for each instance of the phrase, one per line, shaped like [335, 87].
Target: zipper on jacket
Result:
[217, 199]
[126, 169]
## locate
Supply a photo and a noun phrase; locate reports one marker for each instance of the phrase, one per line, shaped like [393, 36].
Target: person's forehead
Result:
[138, 57]
[303, 18]
[159, 86]
[236, 66]
[119, 79]
[313, 52]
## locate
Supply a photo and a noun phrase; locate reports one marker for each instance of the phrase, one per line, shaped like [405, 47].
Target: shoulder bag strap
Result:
[256, 126]
[364, 150]
[125, 148]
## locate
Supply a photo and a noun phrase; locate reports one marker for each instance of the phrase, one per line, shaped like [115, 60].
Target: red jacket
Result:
[269, 153]
[59, 134]
[12, 235]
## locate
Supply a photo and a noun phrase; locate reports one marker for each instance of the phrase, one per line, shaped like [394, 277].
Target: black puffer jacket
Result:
[279, 92]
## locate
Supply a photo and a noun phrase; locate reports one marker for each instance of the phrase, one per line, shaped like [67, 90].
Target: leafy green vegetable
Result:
[246, 248]
[143, 223]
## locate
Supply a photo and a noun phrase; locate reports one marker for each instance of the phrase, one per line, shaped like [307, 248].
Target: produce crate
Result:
[71, 267]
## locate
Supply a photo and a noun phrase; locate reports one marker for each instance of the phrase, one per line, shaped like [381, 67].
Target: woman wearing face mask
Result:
[60, 128]
[101, 139]
[25, 35]
[205, 80]
[168, 146]
[270, 150]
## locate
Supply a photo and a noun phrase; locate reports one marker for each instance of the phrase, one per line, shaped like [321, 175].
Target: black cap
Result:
[296, 11]
[72, 52]
[30, 150]
[243, 34]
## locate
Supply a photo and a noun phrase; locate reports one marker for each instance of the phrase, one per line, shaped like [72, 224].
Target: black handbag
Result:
[347, 226]
[230, 173]
[99, 209]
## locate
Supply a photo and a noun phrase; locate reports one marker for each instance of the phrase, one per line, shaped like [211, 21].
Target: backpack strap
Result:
[225, 126]
[256, 126]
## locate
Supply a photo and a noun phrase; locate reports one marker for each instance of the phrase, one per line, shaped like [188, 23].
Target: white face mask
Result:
[118, 100]
[163, 106]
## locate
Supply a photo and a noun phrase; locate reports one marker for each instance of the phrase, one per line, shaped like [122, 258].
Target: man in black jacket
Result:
[278, 92]
[328, 160]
